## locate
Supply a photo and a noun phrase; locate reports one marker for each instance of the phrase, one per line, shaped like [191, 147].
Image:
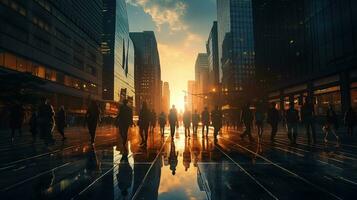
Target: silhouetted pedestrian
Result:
[247, 119]
[46, 121]
[152, 120]
[162, 122]
[92, 118]
[195, 121]
[187, 122]
[144, 123]
[33, 124]
[205, 120]
[292, 120]
[273, 119]
[308, 119]
[61, 121]
[331, 124]
[173, 120]
[125, 120]
[16, 119]
[350, 120]
[216, 116]
[259, 121]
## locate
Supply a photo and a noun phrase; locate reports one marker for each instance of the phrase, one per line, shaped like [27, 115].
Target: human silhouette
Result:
[308, 119]
[195, 121]
[273, 119]
[173, 120]
[124, 120]
[350, 120]
[247, 119]
[61, 121]
[33, 124]
[205, 121]
[187, 122]
[124, 176]
[216, 117]
[144, 123]
[46, 121]
[92, 117]
[162, 123]
[16, 119]
[259, 121]
[152, 120]
[173, 158]
[331, 124]
[292, 120]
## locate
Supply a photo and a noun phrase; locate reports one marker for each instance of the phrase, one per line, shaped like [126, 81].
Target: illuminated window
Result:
[2, 55]
[22, 64]
[41, 72]
[10, 61]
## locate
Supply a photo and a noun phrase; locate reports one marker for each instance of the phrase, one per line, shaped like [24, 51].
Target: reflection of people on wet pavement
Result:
[42, 185]
[92, 161]
[124, 176]
[187, 155]
[173, 158]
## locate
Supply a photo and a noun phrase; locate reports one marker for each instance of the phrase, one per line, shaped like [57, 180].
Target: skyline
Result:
[183, 21]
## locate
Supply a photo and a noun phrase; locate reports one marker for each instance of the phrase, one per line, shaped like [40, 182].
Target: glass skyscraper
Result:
[214, 72]
[118, 52]
[235, 43]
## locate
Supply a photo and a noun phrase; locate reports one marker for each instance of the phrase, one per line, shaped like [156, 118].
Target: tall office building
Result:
[214, 72]
[235, 43]
[118, 53]
[202, 80]
[316, 57]
[166, 97]
[147, 70]
[191, 99]
[58, 42]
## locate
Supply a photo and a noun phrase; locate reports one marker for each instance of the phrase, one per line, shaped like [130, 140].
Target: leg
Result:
[308, 135]
[141, 133]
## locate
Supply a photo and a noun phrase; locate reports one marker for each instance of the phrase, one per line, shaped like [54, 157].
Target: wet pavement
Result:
[178, 168]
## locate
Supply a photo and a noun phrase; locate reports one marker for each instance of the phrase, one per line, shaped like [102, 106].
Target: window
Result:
[10, 61]
[41, 72]
[22, 64]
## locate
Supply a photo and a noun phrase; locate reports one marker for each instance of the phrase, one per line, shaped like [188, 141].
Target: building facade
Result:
[235, 43]
[201, 80]
[214, 72]
[147, 70]
[118, 53]
[319, 42]
[166, 97]
[58, 42]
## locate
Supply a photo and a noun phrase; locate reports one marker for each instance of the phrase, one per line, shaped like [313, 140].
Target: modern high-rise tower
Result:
[235, 43]
[147, 70]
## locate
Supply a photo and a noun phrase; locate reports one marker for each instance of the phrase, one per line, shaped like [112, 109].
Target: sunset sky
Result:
[181, 28]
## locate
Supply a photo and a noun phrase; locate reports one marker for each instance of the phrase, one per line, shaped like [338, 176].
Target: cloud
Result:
[164, 12]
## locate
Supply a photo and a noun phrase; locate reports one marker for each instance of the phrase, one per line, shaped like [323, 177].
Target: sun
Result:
[179, 103]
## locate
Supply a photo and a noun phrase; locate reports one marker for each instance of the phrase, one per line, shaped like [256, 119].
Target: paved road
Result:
[176, 168]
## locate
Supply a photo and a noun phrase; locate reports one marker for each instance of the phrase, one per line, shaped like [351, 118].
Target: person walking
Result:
[259, 121]
[144, 123]
[331, 124]
[187, 122]
[308, 119]
[124, 121]
[273, 119]
[61, 121]
[46, 121]
[216, 116]
[292, 120]
[173, 120]
[152, 120]
[350, 120]
[162, 123]
[16, 119]
[195, 121]
[247, 119]
[92, 118]
[205, 121]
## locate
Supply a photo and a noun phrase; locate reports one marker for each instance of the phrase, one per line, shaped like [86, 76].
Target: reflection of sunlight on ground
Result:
[184, 184]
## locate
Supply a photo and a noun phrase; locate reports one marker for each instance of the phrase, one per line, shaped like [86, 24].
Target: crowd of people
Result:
[44, 119]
